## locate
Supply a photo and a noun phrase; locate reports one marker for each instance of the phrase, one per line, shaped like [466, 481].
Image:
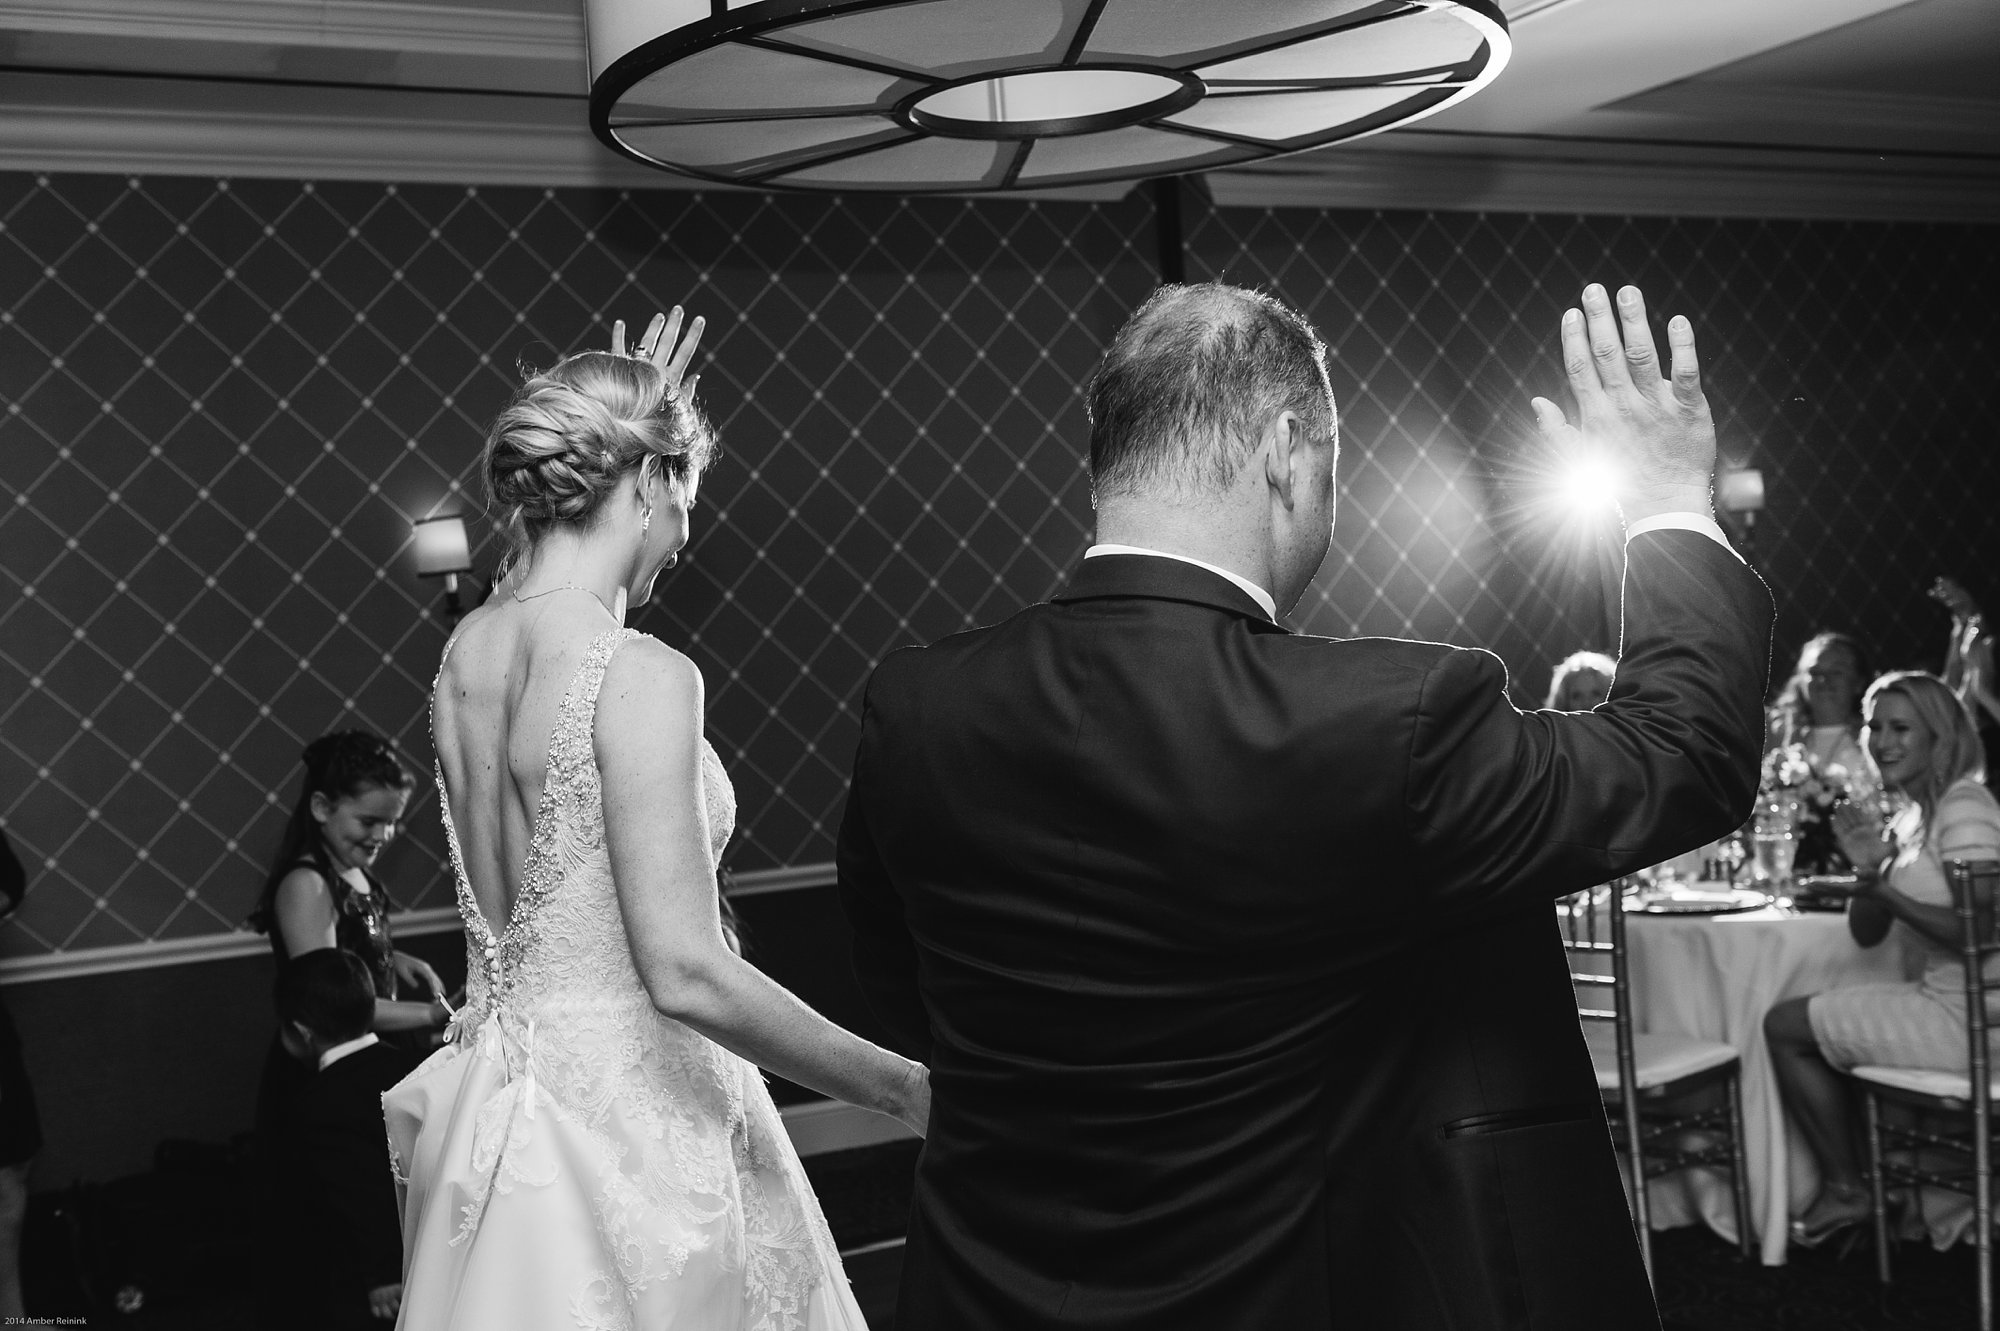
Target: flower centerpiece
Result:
[1810, 788]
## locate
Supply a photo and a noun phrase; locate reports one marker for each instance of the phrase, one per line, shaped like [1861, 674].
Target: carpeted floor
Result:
[1702, 1287]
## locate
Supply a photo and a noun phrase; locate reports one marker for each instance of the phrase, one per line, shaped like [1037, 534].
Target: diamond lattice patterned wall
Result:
[227, 399]
[1847, 361]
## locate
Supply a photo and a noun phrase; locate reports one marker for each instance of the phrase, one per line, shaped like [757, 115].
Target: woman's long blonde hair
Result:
[1955, 748]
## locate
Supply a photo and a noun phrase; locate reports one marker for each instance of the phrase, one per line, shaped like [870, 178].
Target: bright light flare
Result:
[1588, 485]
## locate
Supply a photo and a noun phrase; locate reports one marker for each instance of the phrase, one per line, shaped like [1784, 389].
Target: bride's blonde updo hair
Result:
[570, 433]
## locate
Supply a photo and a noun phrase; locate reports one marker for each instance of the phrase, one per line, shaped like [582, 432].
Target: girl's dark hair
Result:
[339, 765]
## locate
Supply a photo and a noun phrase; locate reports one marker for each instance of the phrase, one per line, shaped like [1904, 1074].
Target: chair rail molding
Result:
[245, 943]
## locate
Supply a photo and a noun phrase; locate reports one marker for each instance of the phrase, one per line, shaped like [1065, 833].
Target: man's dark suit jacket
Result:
[335, 1232]
[1232, 954]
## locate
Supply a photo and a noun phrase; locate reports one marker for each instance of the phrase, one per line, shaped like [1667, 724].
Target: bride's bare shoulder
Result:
[644, 664]
[651, 700]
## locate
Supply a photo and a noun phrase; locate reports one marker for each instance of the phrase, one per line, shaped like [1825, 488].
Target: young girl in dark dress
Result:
[322, 893]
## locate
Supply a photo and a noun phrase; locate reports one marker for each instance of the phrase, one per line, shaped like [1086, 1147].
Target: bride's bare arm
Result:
[649, 718]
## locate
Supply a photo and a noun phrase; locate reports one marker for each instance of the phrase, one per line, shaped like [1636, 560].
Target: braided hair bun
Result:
[571, 432]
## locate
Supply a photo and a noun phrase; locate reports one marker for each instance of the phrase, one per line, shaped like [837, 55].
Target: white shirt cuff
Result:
[1699, 522]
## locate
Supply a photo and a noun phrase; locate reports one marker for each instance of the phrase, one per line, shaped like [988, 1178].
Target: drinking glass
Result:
[1775, 850]
[1774, 843]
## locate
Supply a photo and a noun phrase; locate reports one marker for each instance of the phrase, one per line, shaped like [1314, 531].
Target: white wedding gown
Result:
[574, 1159]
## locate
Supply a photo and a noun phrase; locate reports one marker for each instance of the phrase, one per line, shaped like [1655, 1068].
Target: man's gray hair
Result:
[1179, 396]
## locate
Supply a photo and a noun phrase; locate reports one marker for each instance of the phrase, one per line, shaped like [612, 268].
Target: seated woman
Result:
[1581, 681]
[1817, 716]
[1819, 706]
[1924, 745]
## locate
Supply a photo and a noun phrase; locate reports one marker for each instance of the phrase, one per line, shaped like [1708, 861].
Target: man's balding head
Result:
[1178, 400]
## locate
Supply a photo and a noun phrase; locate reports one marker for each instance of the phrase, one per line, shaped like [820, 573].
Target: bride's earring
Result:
[646, 521]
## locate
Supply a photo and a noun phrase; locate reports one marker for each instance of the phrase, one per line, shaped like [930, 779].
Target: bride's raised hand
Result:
[663, 345]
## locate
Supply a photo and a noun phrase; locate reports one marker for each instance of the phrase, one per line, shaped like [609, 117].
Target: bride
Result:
[595, 1147]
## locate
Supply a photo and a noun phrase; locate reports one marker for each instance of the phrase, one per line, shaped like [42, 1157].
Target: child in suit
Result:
[338, 1258]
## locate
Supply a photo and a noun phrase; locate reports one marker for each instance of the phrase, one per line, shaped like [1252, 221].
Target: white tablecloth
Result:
[1715, 977]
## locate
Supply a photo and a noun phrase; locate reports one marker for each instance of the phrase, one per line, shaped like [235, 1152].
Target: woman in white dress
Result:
[1924, 746]
[595, 1148]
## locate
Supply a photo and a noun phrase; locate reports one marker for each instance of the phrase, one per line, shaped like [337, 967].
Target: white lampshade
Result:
[979, 95]
[441, 546]
[1740, 490]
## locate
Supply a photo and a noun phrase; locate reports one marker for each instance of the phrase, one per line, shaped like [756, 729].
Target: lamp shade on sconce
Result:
[986, 95]
[441, 545]
[1740, 490]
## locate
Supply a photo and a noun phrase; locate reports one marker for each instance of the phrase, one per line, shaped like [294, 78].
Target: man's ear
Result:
[1283, 439]
[297, 1040]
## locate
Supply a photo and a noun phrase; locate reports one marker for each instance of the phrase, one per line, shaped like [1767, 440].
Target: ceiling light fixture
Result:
[980, 95]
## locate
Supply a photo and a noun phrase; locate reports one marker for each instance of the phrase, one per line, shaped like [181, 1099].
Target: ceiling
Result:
[1781, 108]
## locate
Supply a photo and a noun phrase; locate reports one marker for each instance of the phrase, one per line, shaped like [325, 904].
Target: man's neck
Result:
[1177, 530]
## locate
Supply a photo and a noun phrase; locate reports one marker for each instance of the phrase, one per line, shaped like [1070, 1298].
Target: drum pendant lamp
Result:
[985, 95]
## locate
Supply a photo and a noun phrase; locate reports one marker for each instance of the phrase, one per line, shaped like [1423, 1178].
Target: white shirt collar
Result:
[340, 1051]
[1250, 589]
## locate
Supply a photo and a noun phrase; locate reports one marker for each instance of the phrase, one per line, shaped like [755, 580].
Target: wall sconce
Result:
[443, 552]
[1740, 491]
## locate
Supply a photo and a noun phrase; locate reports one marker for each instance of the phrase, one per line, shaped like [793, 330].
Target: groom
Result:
[1230, 948]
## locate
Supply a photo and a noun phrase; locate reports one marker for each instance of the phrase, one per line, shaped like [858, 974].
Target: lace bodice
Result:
[694, 1162]
[566, 935]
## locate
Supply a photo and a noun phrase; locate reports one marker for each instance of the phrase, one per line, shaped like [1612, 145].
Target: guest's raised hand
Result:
[663, 345]
[1656, 431]
[1954, 597]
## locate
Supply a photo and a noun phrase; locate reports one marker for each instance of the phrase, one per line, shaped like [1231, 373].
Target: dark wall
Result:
[226, 400]
[233, 397]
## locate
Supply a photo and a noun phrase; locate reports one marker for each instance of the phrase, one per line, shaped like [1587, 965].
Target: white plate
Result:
[1697, 899]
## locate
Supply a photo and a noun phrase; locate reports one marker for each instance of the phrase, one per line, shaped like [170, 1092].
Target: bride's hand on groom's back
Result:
[916, 1111]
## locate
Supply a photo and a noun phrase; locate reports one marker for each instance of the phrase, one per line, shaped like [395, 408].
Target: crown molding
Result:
[1488, 174]
[351, 24]
[128, 127]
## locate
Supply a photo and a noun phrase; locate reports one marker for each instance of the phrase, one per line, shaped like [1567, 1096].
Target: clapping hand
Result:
[1657, 432]
[1858, 829]
[663, 345]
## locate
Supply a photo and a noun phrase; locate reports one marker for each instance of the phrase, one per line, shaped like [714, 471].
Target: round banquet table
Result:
[1715, 976]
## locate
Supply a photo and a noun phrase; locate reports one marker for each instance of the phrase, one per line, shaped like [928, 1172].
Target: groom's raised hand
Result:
[1656, 432]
